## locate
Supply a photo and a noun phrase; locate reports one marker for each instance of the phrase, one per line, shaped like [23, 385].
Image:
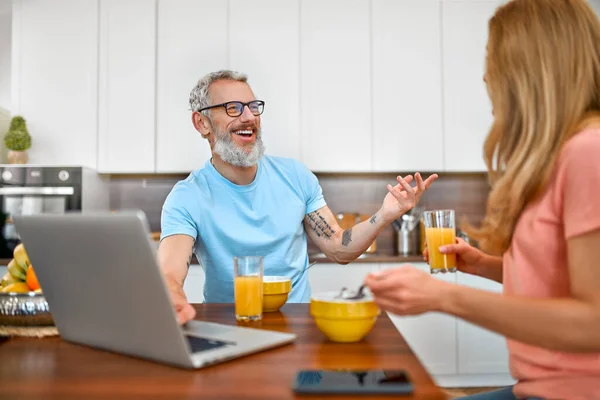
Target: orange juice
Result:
[248, 297]
[437, 237]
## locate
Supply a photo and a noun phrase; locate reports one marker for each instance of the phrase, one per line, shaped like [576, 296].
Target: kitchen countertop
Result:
[371, 258]
[55, 369]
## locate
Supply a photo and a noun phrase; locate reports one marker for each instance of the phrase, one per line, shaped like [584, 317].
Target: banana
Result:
[7, 279]
[16, 271]
[19, 287]
[21, 257]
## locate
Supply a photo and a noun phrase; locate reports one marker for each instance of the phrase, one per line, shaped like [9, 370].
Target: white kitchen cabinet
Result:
[333, 277]
[595, 5]
[431, 336]
[480, 350]
[193, 286]
[407, 86]
[335, 85]
[5, 58]
[467, 109]
[126, 124]
[192, 41]
[55, 78]
[268, 51]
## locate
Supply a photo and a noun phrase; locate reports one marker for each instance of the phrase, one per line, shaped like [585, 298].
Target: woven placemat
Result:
[29, 331]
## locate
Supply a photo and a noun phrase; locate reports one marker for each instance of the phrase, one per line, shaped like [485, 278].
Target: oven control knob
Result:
[63, 175]
[7, 175]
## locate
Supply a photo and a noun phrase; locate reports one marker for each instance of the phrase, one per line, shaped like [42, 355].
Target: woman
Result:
[541, 234]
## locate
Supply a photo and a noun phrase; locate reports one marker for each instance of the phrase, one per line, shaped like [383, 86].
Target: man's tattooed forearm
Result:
[319, 225]
[347, 237]
[373, 219]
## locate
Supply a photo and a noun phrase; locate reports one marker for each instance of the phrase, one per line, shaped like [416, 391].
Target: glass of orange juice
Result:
[248, 287]
[440, 230]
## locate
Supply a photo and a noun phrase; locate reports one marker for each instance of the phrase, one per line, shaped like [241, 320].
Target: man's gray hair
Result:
[200, 97]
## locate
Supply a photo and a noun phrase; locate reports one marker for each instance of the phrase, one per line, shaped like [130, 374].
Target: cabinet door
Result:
[595, 5]
[127, 79]
[407, 86]
[467, 109]
[193, 286]
[431, 336]
[335, 85]
[192, 41]
[268, 50]
[5, 59]
[479, 350]
[333, 277]
[55, 78]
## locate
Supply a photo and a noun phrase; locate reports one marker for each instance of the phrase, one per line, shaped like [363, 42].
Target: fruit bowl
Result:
[24, 309]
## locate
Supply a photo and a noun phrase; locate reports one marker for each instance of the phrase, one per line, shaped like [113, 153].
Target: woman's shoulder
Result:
[584, 140]
[584, 145]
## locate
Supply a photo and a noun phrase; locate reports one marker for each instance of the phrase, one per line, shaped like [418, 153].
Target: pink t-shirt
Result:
[536, 266]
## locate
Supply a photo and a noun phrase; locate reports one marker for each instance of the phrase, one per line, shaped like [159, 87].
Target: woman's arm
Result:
[490, 267]
[471, 260]
[568, 324]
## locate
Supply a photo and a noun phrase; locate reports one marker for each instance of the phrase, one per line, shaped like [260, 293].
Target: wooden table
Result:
[51, 368]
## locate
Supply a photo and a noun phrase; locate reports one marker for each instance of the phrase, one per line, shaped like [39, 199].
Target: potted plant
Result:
[17, 141]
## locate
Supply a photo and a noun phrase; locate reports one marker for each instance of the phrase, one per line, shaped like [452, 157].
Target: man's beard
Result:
[235, 155]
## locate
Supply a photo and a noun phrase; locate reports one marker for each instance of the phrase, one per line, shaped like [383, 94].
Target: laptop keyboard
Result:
[198, 344]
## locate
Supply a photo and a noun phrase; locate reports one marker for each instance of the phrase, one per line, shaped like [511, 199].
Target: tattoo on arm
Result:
[347, 237]
[319, 225]
[373, 219]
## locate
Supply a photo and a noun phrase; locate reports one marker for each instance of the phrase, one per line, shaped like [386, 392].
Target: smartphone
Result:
[344, 381]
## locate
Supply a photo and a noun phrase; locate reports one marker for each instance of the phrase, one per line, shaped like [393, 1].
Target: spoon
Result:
[302, 271]
[359, 294]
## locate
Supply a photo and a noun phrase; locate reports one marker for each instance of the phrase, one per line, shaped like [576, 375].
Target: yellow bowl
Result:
[275, 292]
[343, 320]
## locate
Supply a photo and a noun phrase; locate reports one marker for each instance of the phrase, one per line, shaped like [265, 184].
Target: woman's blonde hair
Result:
[543, 78]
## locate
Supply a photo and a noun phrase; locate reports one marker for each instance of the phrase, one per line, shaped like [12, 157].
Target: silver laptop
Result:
[99, 274]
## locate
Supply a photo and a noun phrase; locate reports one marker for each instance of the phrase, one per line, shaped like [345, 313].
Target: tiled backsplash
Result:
[363, 193]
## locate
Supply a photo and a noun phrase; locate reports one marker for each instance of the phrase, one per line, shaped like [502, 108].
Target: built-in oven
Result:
[30, 189]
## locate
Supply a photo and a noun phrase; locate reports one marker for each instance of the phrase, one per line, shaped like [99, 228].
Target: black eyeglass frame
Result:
[260, 103]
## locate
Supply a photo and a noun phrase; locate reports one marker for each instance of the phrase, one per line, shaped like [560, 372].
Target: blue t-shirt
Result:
[264, 218]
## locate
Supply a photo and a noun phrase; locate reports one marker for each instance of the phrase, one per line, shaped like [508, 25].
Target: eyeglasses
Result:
[236, 108]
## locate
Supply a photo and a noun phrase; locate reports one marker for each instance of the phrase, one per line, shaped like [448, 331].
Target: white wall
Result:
[5, 51]
[596, 5]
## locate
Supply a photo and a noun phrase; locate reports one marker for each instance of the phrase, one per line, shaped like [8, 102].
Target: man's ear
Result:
[201, 123]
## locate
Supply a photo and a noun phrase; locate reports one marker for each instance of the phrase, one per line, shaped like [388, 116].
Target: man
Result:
[244, 203]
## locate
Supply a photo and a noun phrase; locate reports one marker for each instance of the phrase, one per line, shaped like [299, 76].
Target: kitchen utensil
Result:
[303, 270]
[407, 242]
[357, 296]
[407, 232]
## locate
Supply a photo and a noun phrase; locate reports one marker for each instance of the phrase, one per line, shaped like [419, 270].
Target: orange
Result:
[31, 280]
